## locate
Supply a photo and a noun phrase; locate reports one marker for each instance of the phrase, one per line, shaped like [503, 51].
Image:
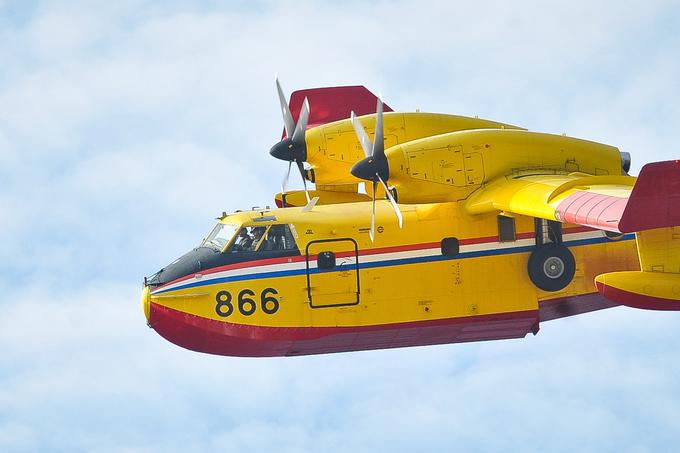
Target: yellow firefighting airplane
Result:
[470, 230]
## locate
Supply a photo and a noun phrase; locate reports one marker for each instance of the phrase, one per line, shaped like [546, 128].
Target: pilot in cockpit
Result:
[275, 238]
[243, 241]
[252, 238]
[257, 235]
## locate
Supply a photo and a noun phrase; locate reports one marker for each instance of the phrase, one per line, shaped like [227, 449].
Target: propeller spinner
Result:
[293, 148]
[374, 167]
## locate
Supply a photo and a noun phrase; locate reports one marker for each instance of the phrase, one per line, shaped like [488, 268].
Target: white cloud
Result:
[126, 127]
[85, 373]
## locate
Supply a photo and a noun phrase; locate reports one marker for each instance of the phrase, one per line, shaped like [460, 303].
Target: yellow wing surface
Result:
[648, 205]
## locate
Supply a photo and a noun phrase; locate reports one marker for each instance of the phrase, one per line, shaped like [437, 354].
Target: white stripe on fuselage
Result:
[370, 258]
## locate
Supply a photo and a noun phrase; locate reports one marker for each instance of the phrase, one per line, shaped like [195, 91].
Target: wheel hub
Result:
[553, 267]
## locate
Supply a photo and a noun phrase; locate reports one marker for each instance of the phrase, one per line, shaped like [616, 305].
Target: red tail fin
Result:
[655, 199]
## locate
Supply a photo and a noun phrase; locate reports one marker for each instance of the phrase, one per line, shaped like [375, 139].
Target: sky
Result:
[126, 127]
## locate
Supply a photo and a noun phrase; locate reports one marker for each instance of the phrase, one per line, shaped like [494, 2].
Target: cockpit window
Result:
[220, 236]
[279, 237]
[263, 239]
[247, 239]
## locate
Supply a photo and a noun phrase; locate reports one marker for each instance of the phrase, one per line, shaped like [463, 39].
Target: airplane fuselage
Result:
[445, 277]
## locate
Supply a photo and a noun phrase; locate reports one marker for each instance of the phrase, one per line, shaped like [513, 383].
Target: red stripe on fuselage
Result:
[365, 252]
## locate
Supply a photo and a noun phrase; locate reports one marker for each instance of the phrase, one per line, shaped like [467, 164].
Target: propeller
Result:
[374, 167]
[293, 148]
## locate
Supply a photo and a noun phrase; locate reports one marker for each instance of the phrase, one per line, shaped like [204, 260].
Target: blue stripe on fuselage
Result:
[395, 262]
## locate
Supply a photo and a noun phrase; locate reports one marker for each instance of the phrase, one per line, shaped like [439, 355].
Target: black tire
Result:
[551, 267]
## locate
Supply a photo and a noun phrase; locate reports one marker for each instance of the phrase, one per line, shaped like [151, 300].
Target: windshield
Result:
[220, 236]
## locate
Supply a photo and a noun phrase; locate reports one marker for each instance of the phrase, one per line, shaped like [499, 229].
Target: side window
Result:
[450, 247]
[279, 238]
[247, 239]
[506, 229]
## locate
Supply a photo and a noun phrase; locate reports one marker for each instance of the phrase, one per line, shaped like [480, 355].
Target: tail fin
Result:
[655, 199]
[653, 211]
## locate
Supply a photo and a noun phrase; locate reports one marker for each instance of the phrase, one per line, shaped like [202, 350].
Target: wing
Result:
[620, 204]
[648, 205]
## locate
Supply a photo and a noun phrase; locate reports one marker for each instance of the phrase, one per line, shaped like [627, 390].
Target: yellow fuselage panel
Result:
[402, 277]
[333, 148]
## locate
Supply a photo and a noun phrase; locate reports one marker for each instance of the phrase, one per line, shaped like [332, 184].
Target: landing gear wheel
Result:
[551, 267]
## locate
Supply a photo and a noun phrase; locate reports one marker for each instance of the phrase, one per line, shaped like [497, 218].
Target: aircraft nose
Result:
[146, 302]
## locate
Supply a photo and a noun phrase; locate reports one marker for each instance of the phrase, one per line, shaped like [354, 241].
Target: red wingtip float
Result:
[333, 104]
[469, 230]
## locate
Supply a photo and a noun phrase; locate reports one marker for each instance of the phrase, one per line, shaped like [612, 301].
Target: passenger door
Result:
[332, 272]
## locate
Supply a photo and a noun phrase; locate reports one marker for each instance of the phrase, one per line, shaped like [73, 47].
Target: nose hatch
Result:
[146, 302]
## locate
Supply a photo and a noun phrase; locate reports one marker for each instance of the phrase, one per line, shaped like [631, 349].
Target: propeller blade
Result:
[363, 137]
[371, 232]
[284, 184]
[288, 122]
[378, 141]
[301, 127]
[301, 167]
[393, 201]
